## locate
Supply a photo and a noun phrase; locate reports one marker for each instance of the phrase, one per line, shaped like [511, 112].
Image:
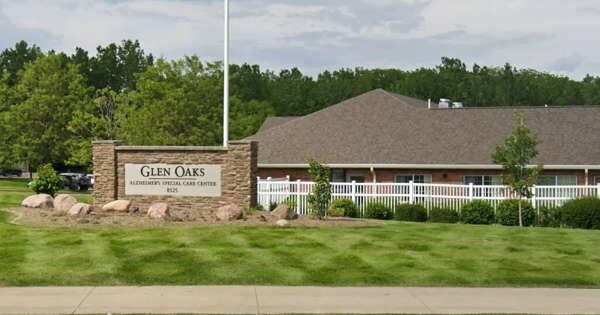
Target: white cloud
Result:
[549, 35]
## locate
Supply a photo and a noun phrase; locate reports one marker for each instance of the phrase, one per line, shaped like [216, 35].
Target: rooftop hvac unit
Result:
[444, 103]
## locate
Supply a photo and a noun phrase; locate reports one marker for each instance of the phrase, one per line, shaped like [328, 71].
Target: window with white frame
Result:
[557, 180]
[482, 180]
[597, 180]
[417, 179]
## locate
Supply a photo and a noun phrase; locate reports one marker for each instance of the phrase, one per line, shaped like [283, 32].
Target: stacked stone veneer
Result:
[238, 173]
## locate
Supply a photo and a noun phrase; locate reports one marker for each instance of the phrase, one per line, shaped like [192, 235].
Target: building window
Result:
[557, 180]
[338, 175]
[417, 179]
[597, 180]
[482, 180]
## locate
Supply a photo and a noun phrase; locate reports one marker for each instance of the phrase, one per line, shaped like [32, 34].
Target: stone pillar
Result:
[243, 158]
[105, 172]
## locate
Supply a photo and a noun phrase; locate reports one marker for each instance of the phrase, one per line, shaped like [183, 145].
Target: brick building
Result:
[384, 137]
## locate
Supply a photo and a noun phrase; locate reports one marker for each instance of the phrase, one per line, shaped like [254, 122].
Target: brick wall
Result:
[238, 173]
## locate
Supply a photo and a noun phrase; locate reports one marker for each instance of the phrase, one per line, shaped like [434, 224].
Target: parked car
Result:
[76, 181]
[10, 173]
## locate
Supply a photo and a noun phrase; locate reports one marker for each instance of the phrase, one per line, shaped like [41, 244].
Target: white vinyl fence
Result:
[429, 195]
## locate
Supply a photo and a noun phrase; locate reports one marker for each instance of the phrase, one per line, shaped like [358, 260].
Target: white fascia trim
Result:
[430, 166]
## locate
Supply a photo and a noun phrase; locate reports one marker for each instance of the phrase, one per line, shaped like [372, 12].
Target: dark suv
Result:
[76, 181]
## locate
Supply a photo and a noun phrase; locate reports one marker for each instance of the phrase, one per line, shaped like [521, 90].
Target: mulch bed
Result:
[51, 218]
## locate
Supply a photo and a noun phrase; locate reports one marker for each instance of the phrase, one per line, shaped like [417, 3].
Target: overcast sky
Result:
[314, 35]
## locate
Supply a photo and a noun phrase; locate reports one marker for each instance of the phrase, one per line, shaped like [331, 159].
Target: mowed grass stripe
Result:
[396, 253]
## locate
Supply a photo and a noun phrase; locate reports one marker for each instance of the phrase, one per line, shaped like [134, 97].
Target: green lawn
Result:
[14, 183]
[393, 254]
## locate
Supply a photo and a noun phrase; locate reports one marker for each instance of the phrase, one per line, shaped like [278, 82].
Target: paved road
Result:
[277, 300]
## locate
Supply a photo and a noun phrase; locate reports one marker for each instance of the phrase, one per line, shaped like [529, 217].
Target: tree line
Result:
[52, 104]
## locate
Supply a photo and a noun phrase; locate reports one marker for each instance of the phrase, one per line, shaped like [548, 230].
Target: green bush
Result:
[408, 212]
[376, 210]
[477, 212]
[583, 213]
[507, 213]
[343, 208]
[548, 217]
[443, 215]
[272, 206]
[46, 181]
[290, 202]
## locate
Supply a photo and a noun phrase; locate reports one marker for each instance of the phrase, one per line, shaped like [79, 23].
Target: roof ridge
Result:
[395, 96]
[301, 118]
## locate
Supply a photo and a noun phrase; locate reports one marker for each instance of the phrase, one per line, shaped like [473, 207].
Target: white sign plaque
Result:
[184, 180]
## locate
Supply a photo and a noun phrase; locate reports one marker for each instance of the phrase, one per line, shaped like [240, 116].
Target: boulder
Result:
[283, 211]
[64, 202]
[282, 223]
[230, 212]
[159, 210]
[117, 205]
[79, 209]
[38, 201]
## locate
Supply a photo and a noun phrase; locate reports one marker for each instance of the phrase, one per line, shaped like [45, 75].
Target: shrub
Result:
[583, 213]
[376, 210]
[335, 212]
[272, 206]
[46, 181]
[250, 210]
[507, 213]
[290, 202]
[413, 213]
[443, 215]
[343, 208]
[548, 217]
[477, 212]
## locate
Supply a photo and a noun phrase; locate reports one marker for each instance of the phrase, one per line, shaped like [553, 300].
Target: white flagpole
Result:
[226, 79]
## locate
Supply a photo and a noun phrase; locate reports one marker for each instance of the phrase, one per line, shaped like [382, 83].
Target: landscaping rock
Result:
[159, 210]
[230, 212]
[38, 201]
[282, 223]
[64, 202]
[79, 209]
[283, 211]
[117, 205]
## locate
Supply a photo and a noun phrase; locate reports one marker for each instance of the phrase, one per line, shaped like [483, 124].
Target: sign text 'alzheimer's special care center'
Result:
[173, 180]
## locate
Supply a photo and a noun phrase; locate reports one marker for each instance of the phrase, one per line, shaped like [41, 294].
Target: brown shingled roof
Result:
[379, 127]
[271, 122]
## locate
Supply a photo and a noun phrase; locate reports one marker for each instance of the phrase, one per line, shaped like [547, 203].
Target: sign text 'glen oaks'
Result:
[173, 180]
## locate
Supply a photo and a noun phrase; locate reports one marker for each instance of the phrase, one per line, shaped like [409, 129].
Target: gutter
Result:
[427, 166]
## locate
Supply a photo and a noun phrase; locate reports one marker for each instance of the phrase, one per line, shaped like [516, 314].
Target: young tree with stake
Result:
[515, 156]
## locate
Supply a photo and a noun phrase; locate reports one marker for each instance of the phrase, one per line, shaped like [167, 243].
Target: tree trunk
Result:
[520, 213]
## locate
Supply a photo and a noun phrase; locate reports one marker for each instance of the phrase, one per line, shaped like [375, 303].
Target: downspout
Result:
[373, 174]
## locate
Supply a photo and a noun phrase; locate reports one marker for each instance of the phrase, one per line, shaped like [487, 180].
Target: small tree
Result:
[321, 192]
[46, 181]
[515, 156]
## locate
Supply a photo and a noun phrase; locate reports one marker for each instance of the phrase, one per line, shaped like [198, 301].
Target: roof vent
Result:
[444, 103]
[457, 105]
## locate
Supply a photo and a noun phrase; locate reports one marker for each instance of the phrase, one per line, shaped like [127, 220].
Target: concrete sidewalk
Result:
[278, 300]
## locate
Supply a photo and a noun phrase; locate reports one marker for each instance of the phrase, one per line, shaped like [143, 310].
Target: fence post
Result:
[598, 190]
[533, 199]
[470, 191]
[354, 191]
[298, 197]
[269, 193]
[411, 192]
